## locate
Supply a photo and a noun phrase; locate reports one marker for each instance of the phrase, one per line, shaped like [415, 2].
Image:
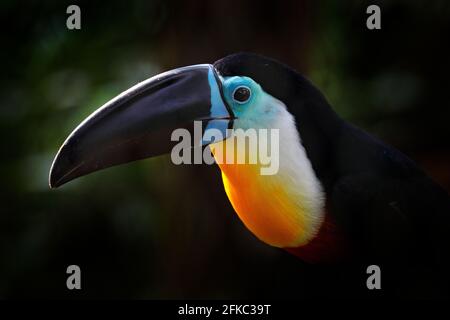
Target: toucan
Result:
[340, 196]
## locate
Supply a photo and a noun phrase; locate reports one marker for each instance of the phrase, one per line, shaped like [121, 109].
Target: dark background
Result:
[151, 229]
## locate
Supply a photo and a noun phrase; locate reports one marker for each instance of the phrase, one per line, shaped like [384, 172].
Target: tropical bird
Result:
[340, 196]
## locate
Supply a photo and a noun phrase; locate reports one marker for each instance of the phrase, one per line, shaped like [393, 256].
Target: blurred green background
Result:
[151, 229]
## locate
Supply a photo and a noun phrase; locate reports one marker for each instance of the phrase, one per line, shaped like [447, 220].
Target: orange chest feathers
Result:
[279, 210]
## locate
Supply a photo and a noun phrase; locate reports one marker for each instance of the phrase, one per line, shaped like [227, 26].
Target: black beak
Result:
[138, 123]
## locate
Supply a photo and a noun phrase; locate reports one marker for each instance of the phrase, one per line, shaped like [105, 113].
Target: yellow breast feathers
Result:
[285, 209]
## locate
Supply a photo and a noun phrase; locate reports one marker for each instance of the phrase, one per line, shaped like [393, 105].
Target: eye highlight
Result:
[241, 94]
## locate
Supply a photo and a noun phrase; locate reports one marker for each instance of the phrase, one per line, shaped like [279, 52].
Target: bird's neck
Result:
[285, 209]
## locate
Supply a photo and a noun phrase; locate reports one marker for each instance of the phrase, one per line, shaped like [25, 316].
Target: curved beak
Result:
[138, 123]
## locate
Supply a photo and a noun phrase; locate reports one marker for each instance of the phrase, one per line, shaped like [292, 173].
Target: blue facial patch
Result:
[220, 116]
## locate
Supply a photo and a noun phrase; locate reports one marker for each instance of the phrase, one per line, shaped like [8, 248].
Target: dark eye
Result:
[241, 94]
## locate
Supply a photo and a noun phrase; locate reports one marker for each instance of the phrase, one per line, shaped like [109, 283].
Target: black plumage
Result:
[391, 212]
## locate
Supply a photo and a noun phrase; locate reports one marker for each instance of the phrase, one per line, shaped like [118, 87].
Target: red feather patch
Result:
[327, 247]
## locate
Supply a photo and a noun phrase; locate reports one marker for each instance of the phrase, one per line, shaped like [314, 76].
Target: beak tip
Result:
[52, 183]
[56, 174]
[53, 180]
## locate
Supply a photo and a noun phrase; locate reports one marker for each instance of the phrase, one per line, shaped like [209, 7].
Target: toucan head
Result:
[239, 91]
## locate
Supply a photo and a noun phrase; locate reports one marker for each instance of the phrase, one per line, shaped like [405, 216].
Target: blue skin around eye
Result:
[230, 84]
[258, 112]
